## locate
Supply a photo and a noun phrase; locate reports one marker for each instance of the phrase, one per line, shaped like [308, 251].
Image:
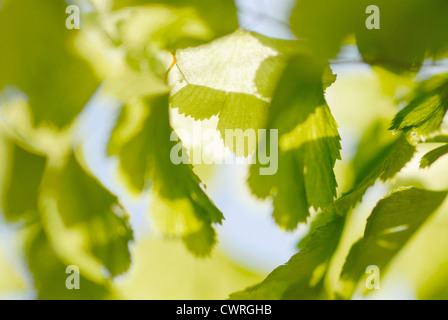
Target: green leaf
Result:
[22, 175]
[427, 107]
[39, 57]
[407, 33]
[380, 156]
[309, 145]
[431, 157]
[232, 78]
[179, 206]
[49, 273]
[317, 22]
[302, 277]
[217, 19]
[84, 221]
[395, 219]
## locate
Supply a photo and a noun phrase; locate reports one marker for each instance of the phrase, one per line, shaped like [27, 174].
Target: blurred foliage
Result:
[11, 279]
[179, 206]
[386, 234]
[409, 31]
[164, 270]
[160, 57]
[40, 59]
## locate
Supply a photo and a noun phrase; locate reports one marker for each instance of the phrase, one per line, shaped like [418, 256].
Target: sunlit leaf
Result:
[232, 78]
[308, 146]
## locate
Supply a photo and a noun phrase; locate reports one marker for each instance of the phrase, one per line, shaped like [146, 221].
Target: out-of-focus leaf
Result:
[128, 85]
[39, 56]
[162, 269]
[232, 78]
[11, 280]
[49, 273]
[435, 288]
[395, 219]
[316, 21]
[427, 107]
[201, 19]
[161, 27]
[179, 205]
[408, 31]
[22, 175]
[432, 156]
[309, 145]
[302, 277]
[84, 221]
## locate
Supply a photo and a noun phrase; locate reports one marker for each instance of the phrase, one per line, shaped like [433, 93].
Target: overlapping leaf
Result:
[380, 155]
[308, 143]
[232, 78]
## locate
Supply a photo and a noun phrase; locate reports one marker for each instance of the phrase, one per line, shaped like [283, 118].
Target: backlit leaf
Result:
[232, 78]
[308, 146]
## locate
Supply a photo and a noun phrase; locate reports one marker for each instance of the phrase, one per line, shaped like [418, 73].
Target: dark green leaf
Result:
[23, 172]
[427, 107]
